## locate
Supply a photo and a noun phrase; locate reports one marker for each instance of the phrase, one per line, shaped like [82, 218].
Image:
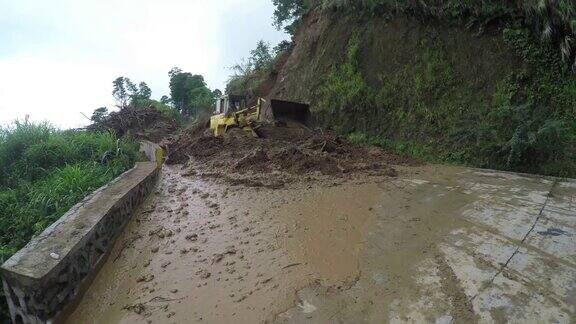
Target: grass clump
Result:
[44, 172]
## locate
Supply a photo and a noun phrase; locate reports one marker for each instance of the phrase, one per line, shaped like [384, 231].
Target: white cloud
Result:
[58, 58]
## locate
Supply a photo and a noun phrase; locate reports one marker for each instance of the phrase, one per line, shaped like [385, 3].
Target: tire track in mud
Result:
[207, 251]
[462, 310]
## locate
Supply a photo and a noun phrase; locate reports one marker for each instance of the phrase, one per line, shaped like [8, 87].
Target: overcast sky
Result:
[58, 58]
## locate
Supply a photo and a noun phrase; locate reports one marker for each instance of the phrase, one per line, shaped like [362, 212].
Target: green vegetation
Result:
[189, 93]
[403, 147]
[554, 21]
[45, 171]
[516, 113]
[288, 13]
[125, 92]
[252, 73]
[190, 97]
[426, 109]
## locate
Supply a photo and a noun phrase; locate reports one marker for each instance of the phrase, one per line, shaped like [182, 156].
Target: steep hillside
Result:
[490, 96]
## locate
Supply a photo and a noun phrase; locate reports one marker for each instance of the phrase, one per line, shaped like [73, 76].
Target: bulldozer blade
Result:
[286, 111]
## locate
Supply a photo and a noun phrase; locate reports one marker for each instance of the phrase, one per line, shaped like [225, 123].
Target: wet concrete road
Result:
[437, 244]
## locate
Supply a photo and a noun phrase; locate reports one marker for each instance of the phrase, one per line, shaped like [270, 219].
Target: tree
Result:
[189, 92]
[165, 100]
[260, 57]
[131, 88]
[174, 71]
[119, 92]
[216, 94]
[288, 14]
[201, 98]
[144, 92]
[282, 47]
[139, 97]
[126, 92]
[249, 72]
[99, 115]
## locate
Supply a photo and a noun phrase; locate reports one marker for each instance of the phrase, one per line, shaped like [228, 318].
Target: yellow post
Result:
[160, 157]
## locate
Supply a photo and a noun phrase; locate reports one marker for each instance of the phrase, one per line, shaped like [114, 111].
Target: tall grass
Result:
[45, 171]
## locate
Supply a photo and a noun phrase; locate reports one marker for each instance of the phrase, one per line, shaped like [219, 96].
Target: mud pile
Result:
[242, 159]
[142, 123]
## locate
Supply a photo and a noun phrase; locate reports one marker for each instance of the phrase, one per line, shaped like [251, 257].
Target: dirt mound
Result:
[237, 155]
[142, 123]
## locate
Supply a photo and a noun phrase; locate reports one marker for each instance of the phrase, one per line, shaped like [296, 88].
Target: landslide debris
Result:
[141, 122]
[241, 159]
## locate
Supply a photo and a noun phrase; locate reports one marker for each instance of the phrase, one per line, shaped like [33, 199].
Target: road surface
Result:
[435, 244]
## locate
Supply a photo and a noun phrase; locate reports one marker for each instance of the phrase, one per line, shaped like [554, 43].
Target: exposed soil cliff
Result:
[490, 97]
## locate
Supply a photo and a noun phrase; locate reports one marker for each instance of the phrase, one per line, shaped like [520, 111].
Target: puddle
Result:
[554, 232]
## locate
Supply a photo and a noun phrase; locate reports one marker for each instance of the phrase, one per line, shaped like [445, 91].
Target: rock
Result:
[137, 308]
[391, 172]
[217, 258]
[204, 274]
[145, 278]
[241, 299]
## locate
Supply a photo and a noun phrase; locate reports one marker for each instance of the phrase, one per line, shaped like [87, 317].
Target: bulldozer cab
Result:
[230, 104]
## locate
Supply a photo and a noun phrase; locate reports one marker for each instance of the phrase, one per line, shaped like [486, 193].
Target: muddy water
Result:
[199, 251]
[328, 230]
[409, 221]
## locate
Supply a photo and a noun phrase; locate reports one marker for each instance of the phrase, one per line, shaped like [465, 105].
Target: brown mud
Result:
[203, 251]
[425, 246]
[277, 159]
[140, 122]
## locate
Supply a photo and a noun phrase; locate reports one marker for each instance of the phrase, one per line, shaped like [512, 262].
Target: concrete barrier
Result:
[51, 272]
[153, 152]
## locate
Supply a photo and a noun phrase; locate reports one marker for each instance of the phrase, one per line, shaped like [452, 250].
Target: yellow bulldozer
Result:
[233, 111]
